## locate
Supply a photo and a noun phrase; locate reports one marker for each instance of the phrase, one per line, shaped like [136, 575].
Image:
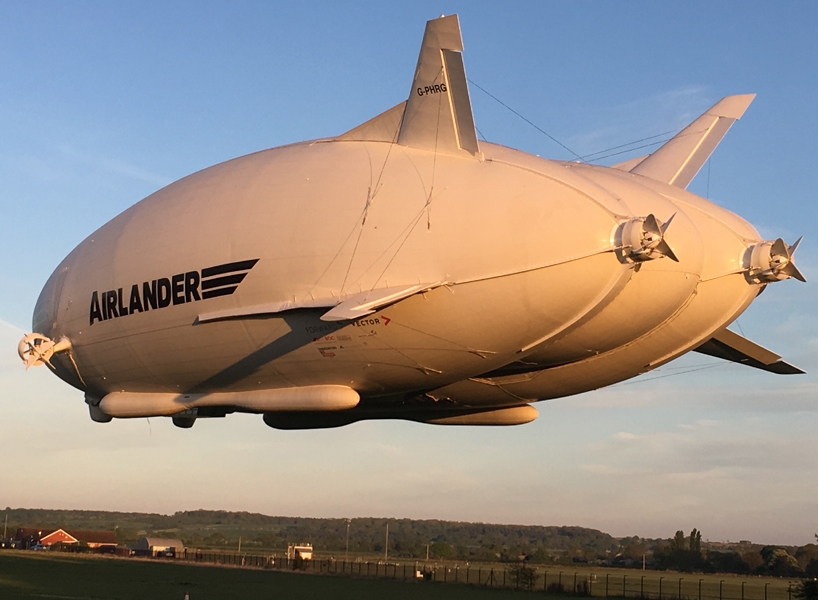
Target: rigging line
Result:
[480, 133]
[545, 133]
[370, 196]
[437, 337]
[434, 157]
[397, 251]
[628, 144]
[672, 374]
[349, 235]
[409, 226]
[679, 136]
[357, 239]
[629, 150]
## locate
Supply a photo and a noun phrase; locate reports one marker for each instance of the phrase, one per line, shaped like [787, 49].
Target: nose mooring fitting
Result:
[768, 262]
[643, 238]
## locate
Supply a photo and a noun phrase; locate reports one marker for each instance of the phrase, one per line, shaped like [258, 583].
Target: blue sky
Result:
[103, 103]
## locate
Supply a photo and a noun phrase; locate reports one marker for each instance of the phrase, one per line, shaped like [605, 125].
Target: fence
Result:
[589, 583]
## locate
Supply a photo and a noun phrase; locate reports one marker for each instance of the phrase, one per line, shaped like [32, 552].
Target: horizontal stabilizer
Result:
[343, 308]
[731, 346]
[438, 113]
[678, 160]
[366, 303]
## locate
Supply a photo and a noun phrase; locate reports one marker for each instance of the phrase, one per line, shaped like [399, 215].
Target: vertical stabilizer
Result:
[438, 114]
[678, 161]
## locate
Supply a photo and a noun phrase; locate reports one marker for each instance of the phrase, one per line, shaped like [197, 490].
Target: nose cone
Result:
[45, 319]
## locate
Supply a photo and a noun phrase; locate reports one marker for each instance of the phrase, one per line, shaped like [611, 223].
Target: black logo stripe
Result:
[181, 288]
[209, 284]
[244, 265]
[225, 291]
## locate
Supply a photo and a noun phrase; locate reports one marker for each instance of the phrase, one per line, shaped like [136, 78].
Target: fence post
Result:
[545, 582]
[765, 590]
[559, 581]
[700, 589]
[680, 588]
[591, 584]
[721, 584]
[624, 586]
[607, 575]
[574, 591]
[789, 591]
[660, 588]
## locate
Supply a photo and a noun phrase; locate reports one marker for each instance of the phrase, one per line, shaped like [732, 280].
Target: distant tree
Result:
[678, 542]
[726, 562]
[753, 560]
[441, 550]
[806, 590]
[524, 577]
[634, 551]
[806, 554]
[695, 544]
[779, 562]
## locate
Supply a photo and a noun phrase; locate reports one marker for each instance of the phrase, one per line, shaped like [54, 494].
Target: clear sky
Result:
[102, 103]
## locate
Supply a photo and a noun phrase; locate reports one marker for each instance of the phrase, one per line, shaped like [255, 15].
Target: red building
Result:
[48, 536]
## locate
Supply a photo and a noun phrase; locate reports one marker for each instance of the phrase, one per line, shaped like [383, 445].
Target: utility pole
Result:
[5, 526]
[386, 545]
[239, 544]
[427, 551]
[346, 554]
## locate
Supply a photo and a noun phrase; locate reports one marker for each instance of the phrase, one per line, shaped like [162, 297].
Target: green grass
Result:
[43, 575]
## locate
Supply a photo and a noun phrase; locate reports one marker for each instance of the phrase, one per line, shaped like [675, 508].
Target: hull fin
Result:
[678, 160]
[731, 346]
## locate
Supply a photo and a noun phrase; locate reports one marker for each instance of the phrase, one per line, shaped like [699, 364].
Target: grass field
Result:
[44, 575]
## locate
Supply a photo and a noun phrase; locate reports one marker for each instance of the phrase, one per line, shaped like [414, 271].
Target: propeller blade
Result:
[667, 224]
[652, 226]
[664, 248]
[791, 270]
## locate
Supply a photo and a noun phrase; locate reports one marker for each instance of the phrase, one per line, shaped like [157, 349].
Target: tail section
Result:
[678, 161]
[438, 113]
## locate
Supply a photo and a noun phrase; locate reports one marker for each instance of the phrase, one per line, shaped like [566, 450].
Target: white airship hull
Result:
[422, 277]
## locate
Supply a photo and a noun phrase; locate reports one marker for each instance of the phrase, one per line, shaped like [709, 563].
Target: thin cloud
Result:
[114, 166]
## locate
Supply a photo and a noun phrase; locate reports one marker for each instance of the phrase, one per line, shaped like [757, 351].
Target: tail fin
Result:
[438, 113]
[728, 345]
[678, 161]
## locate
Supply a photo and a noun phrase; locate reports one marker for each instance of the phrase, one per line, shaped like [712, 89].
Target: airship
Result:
[405, 270]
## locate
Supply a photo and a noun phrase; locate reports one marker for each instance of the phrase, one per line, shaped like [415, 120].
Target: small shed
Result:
[159, 546]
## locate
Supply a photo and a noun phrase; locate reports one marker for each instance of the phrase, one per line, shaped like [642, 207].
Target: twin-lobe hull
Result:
[404, 269]
[522, 253]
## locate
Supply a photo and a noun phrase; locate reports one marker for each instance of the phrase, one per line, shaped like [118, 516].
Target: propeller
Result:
[645, 236]
[773, 261]
[36, 349]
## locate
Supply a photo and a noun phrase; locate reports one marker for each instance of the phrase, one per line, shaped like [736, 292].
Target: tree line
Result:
[449, 540]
